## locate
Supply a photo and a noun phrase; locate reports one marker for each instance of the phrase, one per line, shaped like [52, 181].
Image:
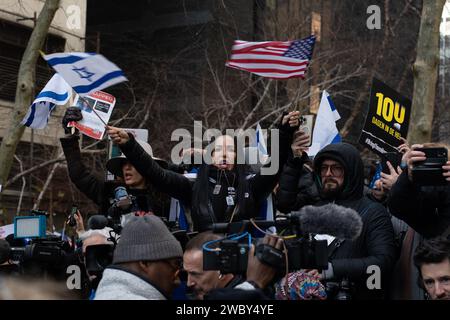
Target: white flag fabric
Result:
[325, 130]
[85, 72]
[55, 92]
[260, 142]
[256, 154]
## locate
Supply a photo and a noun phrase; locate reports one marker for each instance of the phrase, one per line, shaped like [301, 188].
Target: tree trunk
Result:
[25, 86]
[425, 72]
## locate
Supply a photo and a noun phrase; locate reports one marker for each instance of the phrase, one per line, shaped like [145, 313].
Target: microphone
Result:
[332, 219]
[122, 199]
[97, 222]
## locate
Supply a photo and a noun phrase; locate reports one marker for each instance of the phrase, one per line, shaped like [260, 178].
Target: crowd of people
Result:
[404, 235]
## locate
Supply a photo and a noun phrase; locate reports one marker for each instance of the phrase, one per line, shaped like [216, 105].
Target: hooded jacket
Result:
[375, 245]
[425, 209]
[297, 186]
[197, 195]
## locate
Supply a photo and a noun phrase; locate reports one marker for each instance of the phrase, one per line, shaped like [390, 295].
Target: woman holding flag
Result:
[223, 190]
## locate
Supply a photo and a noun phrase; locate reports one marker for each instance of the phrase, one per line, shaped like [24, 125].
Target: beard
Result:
[330, 188]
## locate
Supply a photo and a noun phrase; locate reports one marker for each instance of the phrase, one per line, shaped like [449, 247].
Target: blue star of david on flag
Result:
[85, 72]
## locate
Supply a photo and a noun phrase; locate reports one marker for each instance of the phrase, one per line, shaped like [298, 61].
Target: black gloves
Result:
[72, 114]
[286, 127]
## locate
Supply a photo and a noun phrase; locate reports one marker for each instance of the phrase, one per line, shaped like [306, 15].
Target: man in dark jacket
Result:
[426, 209]
[339, 175]
[94, 186]
[223, 191]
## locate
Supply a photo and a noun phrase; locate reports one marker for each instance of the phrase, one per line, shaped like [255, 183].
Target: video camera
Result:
[100, 222]
[123, 206]
[36, 252]
[231, 254]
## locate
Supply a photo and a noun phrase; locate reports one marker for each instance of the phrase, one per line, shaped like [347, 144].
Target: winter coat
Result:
[375, 245]
[425, 209]
[100, 191]
[119, 284]
[297, 186]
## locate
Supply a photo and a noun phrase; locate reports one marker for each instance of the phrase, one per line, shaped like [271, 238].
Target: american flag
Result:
[273, 59]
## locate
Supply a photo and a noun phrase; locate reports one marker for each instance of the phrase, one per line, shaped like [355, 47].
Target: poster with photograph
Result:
[95, 105]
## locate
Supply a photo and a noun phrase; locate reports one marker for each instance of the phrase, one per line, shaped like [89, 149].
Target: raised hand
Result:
[118, 135]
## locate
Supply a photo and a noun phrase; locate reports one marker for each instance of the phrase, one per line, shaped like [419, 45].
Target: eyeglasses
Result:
[336, 170]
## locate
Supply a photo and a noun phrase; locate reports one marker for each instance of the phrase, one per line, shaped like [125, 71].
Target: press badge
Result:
[217, 188]
[230, 201]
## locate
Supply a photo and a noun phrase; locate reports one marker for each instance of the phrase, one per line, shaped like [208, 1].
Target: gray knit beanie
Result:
[146, 239]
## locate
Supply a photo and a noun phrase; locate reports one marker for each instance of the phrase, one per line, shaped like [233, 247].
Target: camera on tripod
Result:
[230, 255]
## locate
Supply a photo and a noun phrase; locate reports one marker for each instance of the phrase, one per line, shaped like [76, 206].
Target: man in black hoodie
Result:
[339, 177]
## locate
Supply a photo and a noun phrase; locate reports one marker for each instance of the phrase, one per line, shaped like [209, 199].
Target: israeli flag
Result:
[266, 211]
[256, 153]
[55, 92]
[85, 72]
[376, 176]
[177, 213]
[325, 130]
[260, 142]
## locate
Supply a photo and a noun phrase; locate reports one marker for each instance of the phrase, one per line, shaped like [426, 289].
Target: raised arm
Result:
[90, 184]
[174, 184]
[263, 184]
